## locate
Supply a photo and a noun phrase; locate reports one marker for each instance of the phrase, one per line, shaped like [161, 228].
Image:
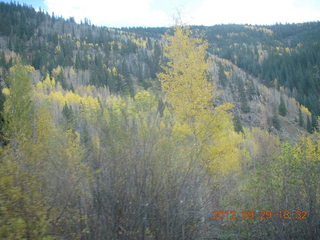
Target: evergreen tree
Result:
[309, 125]
[69, 116]
[276, 121]
[314, 122]
[301, 122]
[282, 107]
[237, 124]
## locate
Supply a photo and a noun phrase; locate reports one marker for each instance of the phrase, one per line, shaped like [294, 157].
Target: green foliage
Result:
[237, 124]
[65, 44]
[314, 122]
[243, 97]
[282, 107]
[33, 199]
[18, 107]
[222, 76]
[245, 107]
[69, 116]
[309, 125]
[276, 121]
[301, 122]
[266, 53]
[23, 211]
[261, 51]
[280, 177]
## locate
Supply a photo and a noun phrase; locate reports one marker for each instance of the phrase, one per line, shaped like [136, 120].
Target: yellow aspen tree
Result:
[184, 81]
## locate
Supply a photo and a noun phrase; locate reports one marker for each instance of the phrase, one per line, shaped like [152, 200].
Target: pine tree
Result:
[301, 123]
[314, 122]
[282, 107]
[309, 125]
[237, 124]
[276, 121]
[68, 114]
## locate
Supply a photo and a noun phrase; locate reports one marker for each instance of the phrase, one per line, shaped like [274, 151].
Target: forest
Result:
[111, 134]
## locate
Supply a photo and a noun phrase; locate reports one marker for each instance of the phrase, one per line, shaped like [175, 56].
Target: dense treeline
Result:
[83, 163]
[110, 57]
[280, 55]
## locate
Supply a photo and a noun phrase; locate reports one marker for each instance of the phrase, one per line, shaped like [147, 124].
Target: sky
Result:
[155, 13]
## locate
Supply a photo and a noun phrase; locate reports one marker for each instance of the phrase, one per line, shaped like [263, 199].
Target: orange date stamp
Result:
[263, 215]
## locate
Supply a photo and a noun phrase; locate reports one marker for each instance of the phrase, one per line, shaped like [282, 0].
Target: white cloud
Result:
[210, 12]
[113, 13]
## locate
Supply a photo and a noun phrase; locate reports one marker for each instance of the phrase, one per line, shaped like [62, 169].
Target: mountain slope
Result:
[128, 59]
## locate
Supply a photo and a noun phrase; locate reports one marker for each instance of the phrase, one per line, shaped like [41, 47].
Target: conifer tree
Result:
[309, 125]
[300, 118]
[282, 107]
[314, 122]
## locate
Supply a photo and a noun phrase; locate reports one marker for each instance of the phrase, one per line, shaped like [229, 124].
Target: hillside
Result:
[279, 55]
[128, 59]
[257, 105]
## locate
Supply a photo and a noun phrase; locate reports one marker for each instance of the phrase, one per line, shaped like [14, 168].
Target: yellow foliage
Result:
[260, 29]
[57, 49]
[58, 97]
[90, 88]
[88, 102]
[305, 110]
[56, 71]
[28, 68]
[116, 105]
[223, 155]
[307, 149]
[227, 73]
[145, 100]
[91, 103]
[184, 81]
[72, 99]
[46, 86]
[23, 209]
[139, 42]
[96, 143]
[181, 130]
[6, 91]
